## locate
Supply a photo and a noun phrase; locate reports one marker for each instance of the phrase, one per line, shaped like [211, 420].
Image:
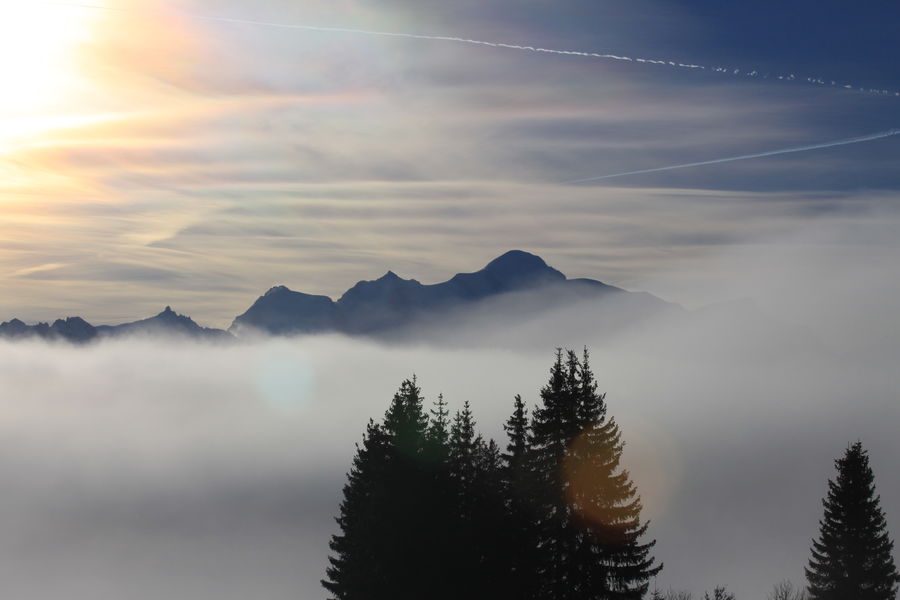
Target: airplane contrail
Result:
[736, 72]
[844, 142]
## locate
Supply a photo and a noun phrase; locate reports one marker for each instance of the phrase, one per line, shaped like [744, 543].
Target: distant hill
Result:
[77, 330]
[391, 304]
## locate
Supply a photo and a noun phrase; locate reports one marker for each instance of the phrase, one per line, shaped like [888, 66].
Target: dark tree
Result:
[478, 539]
[390, 520]
[357, 562]
[432, 510]
[518, 484]
[553, 426]
[720, 593]
[588, 508]
[438, 434]
[852, 557]
[490, 526]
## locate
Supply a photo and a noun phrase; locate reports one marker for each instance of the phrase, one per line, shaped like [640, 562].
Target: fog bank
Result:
[147, 469]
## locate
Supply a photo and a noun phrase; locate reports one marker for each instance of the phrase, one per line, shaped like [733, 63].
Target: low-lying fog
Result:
[155, 469]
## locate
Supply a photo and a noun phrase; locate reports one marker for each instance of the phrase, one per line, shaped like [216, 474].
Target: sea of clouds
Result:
[160, 468]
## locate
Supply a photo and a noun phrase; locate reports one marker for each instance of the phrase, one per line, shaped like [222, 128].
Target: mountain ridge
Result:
[372, 307]
[369, 307]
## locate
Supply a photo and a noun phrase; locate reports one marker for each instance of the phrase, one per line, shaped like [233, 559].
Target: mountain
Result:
[168, 322]
[77, 330]
[391, 304]
[505, 294]
[281, 311]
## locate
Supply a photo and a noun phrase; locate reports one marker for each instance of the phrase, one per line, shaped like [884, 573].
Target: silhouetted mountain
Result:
[391, 303]
[168, 322]
[77, 330]
[74, 329]
[281, 311]
[505, 293]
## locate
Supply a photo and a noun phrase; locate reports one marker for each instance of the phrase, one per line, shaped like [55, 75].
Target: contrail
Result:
[844, 142]
[731, 71]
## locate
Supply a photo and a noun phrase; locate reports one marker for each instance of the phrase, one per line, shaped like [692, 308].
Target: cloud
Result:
[239, 157]
[143, 468]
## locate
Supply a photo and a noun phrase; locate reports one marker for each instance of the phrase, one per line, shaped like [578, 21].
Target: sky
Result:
[151, 155]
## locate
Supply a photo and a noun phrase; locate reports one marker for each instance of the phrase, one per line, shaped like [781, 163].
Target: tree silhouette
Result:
[391, 507]
[518, 484]
[852, 556]
[358, 562]
[719, 593]
[433, 510]
[588, 509]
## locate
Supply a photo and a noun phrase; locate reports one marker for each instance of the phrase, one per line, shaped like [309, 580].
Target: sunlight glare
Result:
[39, 44]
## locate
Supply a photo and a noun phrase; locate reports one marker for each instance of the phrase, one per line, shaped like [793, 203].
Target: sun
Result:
[39, 45]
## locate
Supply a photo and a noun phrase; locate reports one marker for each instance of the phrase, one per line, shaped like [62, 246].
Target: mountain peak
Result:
[277, 289]
[517, 261]
[521, 264]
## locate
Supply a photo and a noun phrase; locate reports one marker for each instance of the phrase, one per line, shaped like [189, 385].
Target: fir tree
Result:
[357, 562]
[588, 509]
[852, 557]
[477, 560]
[490, 525]
[438, 434]
[390, 512]
[552, 427]
[612, 561]
[518, 486]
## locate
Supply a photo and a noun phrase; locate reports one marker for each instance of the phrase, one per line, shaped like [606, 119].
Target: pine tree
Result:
[518, 487]
[464, 443]
[438, 434]
[852, 557]
[357, 561]
[490, 525]
[389, 513]
[552, 427]
[588, 509]
[465, 551]
[612, 561]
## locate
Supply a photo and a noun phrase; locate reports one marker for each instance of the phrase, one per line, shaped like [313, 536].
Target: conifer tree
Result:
[612, 562]
[467, 542]
[589, 512]
[357, 560]
[852, 556]
[464, 442]
[490, 525]
[388, 514]
[552, 426]
[518, 486]
[438, 434]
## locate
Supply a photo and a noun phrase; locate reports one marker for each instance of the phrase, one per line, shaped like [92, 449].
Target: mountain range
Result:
[382, 307]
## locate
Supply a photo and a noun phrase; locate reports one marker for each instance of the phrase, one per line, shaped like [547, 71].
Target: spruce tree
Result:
[552, 426]
[390, 518]
[518, 487]
[490, 525]
[588, 509]
[612, 561]
[464, 444]
[357, 561]
[852, 559]
[438, 434]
